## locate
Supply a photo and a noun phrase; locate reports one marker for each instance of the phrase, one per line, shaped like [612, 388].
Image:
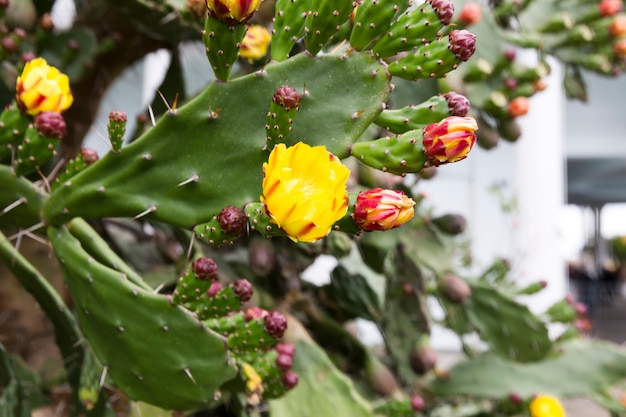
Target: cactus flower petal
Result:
[304, 190]
[379, 209]
[233, 11]
[42, 87]
[449, 140]
[254, 44]
[546, 406]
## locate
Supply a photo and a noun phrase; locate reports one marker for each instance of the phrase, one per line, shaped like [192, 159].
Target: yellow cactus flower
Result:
[449, 140]
[233, 11]
[546, 406]
[304, 190]
[42, 87]
[255, 43]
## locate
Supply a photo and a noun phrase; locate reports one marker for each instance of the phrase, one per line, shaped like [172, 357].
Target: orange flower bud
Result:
[539, 85]
[619, 49]
[617, 27]
[233, 11]
[518, 106]
[470, 14]
[254, 44]
[449, 140]
[42, 87]
[379, 209]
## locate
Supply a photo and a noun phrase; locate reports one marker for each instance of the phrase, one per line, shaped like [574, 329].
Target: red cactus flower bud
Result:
[423, 359]
[617, 28]
[610, 7]
[50, 124]
[417, 403]
[509, 54]
[290, 379]
[118, 116]
[519, 106]
[215, 287]
[510, 83]
[9, 44]
[284, 362]
[46, 22]
[232, 11]
[243, 289]
[543, 283]
[470, 14]
[89, 155]
[462, 44]
[27, 56]
[444, 9]
[20, 33]
[286, 349]
[275, 324]
[619, 49]
[287, 97]
[233, 220]
[204, 268]
[458, 104]
[581, 309]
[449, 140]
[379, 209]
[255, 313]
[516, 399]
[539, 85]
[455, 289]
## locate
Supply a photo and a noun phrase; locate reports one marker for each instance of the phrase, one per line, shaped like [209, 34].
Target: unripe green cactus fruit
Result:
[124, 323]
[194, 154]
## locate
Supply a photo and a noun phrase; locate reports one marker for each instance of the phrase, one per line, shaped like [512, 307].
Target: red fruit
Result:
[243, 289]
[290, 379]
[204, 268]
[286, 349]
[417, 403]
[284, 362]
[275, 324]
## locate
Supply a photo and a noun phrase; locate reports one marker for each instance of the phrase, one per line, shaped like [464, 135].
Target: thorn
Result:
[193, 178]
[171, 109]
[14, 204]
[191, 242]
[357, 114]
[188, 373]
[101, 136]
[56, 169]
[44, 179]
[103, 377]
[152, 115]
[158, 288]
[36, 238]
[147, 211]
[334, 51]
[19, 234]
[175, 103]
[214, 114]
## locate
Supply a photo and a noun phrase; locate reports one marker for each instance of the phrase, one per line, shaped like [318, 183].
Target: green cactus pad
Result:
[190, 291]
[415, 116]
[398, 155]
[433, 60]
[221, 42]
[193, 156]
[12, 126]
[20, 201]
[288, 26]
[142, 338]
[582, 368]
[324, 19]
[372, 19]
[33, 152]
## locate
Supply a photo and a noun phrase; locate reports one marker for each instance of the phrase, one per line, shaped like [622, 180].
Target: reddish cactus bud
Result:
[519, 106]
[510, 83]
[46, 22]
[243, 289]
[27, 56]
[379, 209]
[417, 403]
[284, 362]
[462, 44]
[458, 104]
[50, 125]
[286, 349]
[9, 45]
[117, 116]
[215, 287]
[423, 359]
[255, 313]
[543, 283]
[232, 11]
[275, 324]
[509, 54]
[204, 268]
[89, 155]
[581, 309]
[233, 220]
[539, 85]
[20, 33]
[444, 9]
[516, 399]
[449, 140]
[610, 7]
[451, 224]
[455, 289]
[287, 97]
[619, 49]
[470, 14]
[4, 4]
[617, 28]
[290, 379]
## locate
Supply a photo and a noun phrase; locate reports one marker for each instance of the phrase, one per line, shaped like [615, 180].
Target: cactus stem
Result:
[193, 178]
[147, 211]
[14, 204]
[188, 373]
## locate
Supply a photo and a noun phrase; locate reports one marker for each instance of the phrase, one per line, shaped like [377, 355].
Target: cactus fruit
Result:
[283, 110]
[116, 129]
